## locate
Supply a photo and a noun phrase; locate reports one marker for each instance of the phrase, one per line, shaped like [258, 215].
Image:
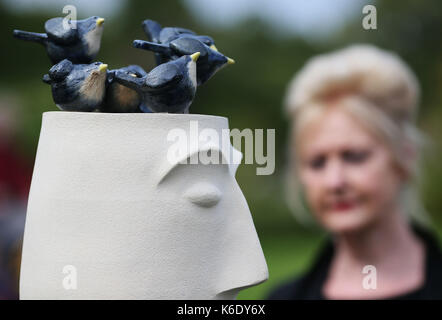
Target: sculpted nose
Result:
[245, 264]
[251, 271]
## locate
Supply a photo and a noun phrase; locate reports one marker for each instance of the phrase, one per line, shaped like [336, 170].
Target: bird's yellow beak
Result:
[100, 21]
[230, 61]
[102, 67]
[213, 47]
[195, 56]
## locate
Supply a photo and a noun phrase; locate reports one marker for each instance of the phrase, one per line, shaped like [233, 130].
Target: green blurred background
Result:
[270, 41]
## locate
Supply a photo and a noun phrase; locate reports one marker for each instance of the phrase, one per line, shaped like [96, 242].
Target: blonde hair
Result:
[376, 88]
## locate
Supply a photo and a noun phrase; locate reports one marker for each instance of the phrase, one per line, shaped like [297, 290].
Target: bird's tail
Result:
[30, 36]
[151, 46]
[46, 79]
[152, 30]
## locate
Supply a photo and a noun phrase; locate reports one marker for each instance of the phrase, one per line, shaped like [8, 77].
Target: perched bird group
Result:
[184, 60]
[171, 43]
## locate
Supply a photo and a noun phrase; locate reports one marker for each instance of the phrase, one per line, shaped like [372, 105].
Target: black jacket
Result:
[309, 286]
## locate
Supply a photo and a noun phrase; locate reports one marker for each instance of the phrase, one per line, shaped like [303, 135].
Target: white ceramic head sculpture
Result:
[111, 215]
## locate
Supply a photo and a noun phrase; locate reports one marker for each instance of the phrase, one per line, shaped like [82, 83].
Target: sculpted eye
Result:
[203, 194]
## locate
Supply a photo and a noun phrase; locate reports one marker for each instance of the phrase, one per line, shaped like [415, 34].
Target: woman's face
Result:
[348, 175]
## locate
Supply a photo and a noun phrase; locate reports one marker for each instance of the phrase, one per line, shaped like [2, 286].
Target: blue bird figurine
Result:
[209, 62]
[77, 87]
[169, 87]
[80, 44]
[155, 33]
[120, 98]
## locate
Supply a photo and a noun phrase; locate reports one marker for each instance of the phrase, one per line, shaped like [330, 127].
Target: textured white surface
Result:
[105, 200]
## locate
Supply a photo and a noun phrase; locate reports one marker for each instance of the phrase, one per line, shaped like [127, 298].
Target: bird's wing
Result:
[163, 76]
[188, 46]
[135, 69]
[182, 30]
[127, 80]
[59, 32]
[205, 39]
[168, 34]
[152, 30]
[59, 71]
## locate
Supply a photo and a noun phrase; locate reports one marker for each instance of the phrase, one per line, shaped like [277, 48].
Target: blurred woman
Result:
[354, 159]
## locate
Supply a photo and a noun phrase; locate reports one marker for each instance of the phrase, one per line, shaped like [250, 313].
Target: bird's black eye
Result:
[97, 63]
[95, 17]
